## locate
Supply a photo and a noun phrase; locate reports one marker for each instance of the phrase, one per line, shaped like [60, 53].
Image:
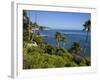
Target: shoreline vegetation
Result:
[39, 54]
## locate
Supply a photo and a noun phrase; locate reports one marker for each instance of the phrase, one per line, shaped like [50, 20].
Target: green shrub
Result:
[60, 51]
[67, 55]
[74, 64]
[42, 61]
[33, 49]
[88, 60]
[51, 49]
[75, 48]
[83, 62]
[39, 40]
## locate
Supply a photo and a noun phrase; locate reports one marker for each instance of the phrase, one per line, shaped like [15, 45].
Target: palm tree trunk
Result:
[58, 43]
[87, 37]
[29, 33]
[29, 27]
[86, 42]
[32, 37]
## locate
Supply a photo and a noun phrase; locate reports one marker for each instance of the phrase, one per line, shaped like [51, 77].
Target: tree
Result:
[87, 28]
[34, 26]
[58, 37]
[51, 49]
[41, 28]
[25, 25]
[63, 40]
[29, 30]
[87, 25]
[75, 48]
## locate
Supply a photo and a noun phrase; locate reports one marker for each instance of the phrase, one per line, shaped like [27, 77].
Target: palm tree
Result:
[34, 26]
[87, 28]
[25, 17]
[63, 40]
[58, 37]
[26, 22]
[29, 28]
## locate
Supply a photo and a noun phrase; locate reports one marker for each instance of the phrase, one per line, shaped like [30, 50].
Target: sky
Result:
[59, 20]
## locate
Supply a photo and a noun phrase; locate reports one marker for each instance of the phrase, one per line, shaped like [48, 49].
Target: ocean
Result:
[72, 36]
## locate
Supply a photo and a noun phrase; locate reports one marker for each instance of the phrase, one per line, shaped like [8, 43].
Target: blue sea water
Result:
[72, 36]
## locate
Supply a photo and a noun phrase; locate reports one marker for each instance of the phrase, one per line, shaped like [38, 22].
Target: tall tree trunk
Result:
[29, 33]
[33, 35]
[29, 27]
[87, 37]
[86, 42]
[58, 43]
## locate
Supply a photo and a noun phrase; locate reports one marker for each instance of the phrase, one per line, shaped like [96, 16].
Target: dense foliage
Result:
[44, 55]
[49, 56]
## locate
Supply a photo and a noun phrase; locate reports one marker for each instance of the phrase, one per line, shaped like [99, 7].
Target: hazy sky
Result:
[60, 20]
